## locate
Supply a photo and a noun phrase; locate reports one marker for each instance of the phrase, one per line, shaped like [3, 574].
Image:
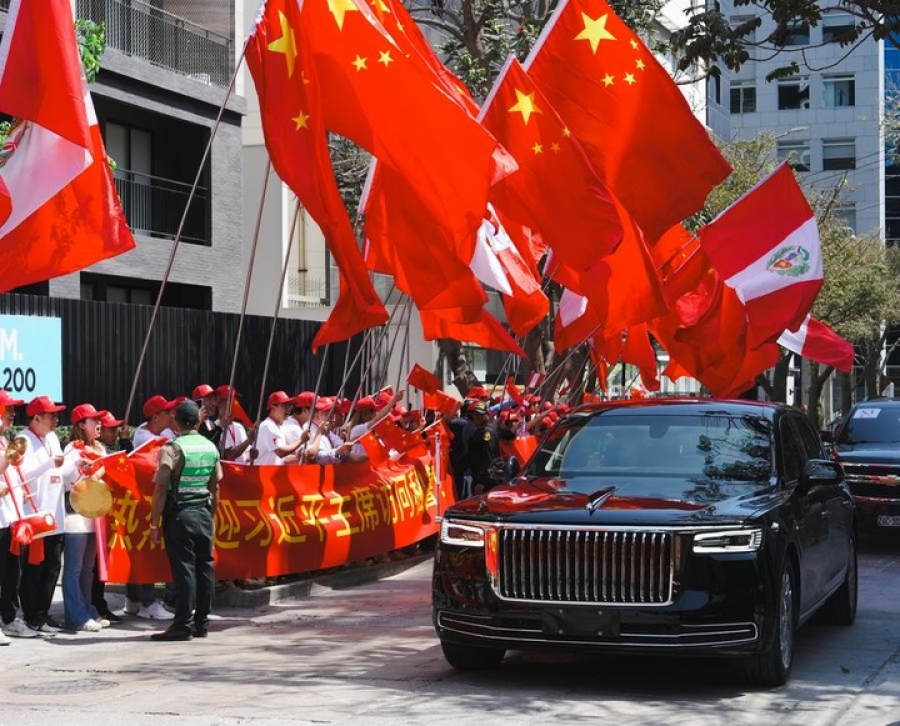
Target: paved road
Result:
[367, 655]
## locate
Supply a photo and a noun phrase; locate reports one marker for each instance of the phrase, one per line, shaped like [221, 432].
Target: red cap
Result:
[42, 404]
[85, 410]
[547, 405]
[366, 403]
[304, 399]
[7, 400]
[108, 421]
[157, 403]
[278, 397]
[324, 403]
[344, 406]
[223, 391]
[381, 399]
[477, 392]
[202, 391]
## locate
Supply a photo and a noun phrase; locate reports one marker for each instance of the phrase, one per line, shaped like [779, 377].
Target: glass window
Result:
[839, 91]
[838, 154]
[847, 214]
[797, 34]
[792, 456]
[811, 441]
[871, 424]
[793, 93]
[837, 27]
[743, 97]
[796, 153]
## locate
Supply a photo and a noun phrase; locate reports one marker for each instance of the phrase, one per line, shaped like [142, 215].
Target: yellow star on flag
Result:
[300, 121]
[537, 149]
[524, 105]
[359, 63]
[629, 79]
[286, 44]
[385, 57]
[555, 147]
[633, 44]
[566, 132]
[594, 30]
[608, 80]
[379, 5]
[339, 8]
[640, 64]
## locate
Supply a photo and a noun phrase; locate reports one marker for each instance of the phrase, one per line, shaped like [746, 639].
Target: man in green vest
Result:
[186, 488]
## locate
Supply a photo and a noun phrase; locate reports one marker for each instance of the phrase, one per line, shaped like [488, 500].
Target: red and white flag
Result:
[818, 342]
[766, 248]
[59, 211]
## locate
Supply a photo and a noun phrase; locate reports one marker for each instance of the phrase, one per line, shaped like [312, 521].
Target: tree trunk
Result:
[780, 377]
[871, 368]
[818, 377]
[463, 377]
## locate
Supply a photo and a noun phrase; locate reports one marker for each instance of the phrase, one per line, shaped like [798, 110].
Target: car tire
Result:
[772, 667]
[471, 657]
[841, 606]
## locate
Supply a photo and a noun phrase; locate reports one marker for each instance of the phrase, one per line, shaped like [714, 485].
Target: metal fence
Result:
[101, 344]
[154, 206]
[139, 29]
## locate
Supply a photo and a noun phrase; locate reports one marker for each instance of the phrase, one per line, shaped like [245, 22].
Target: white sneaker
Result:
[91, 626]
[132, 607]
[102, 622]
[156, 611]
[4, 640]
[18, 629]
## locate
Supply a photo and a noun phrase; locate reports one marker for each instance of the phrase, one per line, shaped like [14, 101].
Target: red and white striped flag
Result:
[818, 342]
[766, 247]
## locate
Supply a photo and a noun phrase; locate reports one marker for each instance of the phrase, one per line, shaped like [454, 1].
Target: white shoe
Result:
[4, 640]
[18, 629]
[91, 626]
[102, 622]
[132, 607]
[156, 611]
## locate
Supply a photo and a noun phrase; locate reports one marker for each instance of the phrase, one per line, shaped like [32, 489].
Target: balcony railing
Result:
[165, 40]
[154, 206]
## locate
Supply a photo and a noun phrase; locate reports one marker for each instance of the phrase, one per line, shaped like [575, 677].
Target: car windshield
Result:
[713, 446]
[871, 425]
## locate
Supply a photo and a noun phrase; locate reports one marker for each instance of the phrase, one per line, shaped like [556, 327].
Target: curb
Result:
[339, 579]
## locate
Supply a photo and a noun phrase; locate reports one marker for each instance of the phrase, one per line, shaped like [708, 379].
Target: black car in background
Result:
[658, 527]
[867, 444]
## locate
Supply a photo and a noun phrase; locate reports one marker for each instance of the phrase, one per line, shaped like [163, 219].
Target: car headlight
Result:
[737, 540]
[461, 535]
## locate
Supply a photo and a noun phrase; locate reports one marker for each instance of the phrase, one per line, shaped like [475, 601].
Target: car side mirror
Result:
[511, 468]
[820, 472]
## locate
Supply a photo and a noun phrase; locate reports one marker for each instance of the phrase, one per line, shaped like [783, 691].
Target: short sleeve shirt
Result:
[269, 437]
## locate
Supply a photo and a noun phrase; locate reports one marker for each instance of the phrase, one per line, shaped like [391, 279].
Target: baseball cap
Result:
[324, 403]
[187, 412]
[477, 392]
[277, 398]
[202, 391]
[85, 410]
[366, 403]
[42, 404]
[107, 420]
[157, 403]
[304, 399]
[223, 391]
[7, 400]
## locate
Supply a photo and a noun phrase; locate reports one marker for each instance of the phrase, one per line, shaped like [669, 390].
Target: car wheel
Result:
[471, 657]
[841, 607]
[772, 667]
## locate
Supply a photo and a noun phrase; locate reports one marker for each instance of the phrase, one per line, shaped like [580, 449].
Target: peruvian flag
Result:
[766, 248]
[818, 342]
[59, 211]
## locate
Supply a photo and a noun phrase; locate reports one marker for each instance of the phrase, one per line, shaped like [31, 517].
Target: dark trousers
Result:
[9, 578]
[189, 546]
[39, 581]
[98, 593]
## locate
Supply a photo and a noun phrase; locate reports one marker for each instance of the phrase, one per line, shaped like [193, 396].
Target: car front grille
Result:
[873, 479]
[591, 566]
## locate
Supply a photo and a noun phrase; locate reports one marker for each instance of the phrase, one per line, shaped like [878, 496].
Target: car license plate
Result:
[889, 520]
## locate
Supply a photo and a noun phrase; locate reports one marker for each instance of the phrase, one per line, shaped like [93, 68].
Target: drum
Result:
[91, 498]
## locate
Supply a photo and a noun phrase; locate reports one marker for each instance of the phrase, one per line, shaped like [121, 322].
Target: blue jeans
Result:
[79, 558]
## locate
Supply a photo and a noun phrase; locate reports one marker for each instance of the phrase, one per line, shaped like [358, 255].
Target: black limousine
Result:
[655, 526]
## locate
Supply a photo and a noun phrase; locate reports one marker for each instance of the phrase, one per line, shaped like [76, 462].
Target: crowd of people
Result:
[41, 534]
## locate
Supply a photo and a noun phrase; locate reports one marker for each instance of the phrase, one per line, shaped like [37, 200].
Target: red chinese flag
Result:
[290, 100]
[60, 211]
[555, 191]
[440, 402]
[512, 391]
[486, 332]
[423, 380]
[636, 126]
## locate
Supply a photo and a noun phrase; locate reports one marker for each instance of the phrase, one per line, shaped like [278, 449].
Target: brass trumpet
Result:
[16, 450]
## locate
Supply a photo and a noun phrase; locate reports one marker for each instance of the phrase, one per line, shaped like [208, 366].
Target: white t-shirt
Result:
[355, 433]
[44, 478]
[269, 437]
[292, 429]
[233, 436]
[142, 435]
[75, 523]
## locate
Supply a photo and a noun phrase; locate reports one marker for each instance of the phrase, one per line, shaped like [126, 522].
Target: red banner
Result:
[275, 520]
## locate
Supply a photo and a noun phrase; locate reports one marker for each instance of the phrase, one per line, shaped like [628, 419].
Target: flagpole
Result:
[177, 240]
